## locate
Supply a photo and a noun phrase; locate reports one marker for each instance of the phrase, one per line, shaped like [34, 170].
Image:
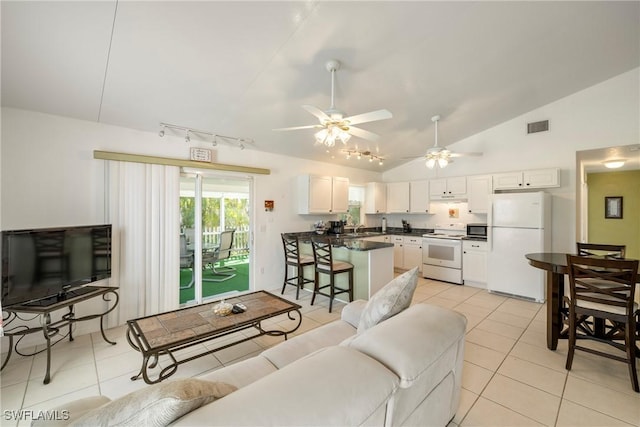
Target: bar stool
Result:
[326, 265]
[293, 258]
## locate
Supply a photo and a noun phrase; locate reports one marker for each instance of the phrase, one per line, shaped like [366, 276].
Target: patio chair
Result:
[219, 255]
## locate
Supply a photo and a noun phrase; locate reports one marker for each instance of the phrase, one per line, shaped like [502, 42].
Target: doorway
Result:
[215, 236]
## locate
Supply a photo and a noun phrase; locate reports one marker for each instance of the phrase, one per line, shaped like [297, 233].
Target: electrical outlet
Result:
[261, 270]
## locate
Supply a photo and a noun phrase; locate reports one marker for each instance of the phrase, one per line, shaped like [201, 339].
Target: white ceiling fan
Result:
[333, 123]
[441, 156]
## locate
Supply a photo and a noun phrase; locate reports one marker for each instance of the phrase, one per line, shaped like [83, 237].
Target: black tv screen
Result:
[40, 263]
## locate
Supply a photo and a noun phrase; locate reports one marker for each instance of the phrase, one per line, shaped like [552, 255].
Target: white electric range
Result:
[442, 252]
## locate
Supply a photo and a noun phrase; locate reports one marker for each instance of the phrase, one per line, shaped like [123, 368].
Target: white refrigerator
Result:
[519, 223]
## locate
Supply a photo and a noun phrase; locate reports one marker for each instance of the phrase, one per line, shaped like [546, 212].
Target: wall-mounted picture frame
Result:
[613, 207]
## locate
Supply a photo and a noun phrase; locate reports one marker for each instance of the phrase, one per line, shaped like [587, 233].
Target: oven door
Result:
[442, 252]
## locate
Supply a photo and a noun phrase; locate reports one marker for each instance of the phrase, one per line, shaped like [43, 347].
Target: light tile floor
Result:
[510, 377]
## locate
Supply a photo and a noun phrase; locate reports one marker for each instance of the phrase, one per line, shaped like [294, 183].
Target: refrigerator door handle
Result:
[490, 226]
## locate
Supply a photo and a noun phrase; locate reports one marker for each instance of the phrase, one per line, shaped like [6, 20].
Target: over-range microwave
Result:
[477, 230]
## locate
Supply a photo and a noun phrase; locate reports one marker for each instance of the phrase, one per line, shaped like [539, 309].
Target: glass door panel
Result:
[216, 210]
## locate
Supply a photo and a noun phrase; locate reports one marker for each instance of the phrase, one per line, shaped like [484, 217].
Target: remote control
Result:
[238, 308]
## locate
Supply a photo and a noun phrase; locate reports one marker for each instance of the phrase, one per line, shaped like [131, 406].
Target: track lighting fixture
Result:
[360, 154]
[213, 138]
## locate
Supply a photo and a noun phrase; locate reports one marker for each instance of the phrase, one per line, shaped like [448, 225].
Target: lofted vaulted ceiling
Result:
[245, 68]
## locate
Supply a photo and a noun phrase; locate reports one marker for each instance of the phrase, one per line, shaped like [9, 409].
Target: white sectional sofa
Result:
[380, 364]
[406, 370]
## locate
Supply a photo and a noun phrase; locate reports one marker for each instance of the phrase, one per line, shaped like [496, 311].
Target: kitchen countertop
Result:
[356, 242]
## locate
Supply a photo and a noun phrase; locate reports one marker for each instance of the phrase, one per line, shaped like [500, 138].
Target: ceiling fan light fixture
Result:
[614, 164]
[431, 162]
[443, 162]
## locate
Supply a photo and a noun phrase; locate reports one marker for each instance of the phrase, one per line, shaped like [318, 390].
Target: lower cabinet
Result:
[407, 252]
[474, 263]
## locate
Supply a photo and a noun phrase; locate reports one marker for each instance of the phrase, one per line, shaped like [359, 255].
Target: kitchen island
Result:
[372, 262]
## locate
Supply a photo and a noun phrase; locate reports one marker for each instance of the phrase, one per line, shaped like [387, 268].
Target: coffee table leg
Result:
[277, 332]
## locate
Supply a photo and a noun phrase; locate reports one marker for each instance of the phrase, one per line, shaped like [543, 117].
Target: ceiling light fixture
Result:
[202, 135]
[330, 134]
[437, 155]
[614, 164]
[372, 157]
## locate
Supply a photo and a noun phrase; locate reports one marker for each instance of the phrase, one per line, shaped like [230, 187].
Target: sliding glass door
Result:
[215, 230]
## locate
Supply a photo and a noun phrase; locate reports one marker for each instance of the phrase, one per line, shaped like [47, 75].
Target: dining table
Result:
[555, 264]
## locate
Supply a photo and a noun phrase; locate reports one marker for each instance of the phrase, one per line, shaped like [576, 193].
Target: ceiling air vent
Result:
[534, 127]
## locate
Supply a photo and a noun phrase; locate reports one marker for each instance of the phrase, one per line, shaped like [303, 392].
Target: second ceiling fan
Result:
[333, 124]
[441, 156]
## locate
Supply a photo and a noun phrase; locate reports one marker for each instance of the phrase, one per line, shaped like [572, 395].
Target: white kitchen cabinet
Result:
[398, 251]
[474, 263]
[407, 252]
[322, 194]
[375, 198]
[419, 196]
[479, 188]
[398, 196]
[448, 188]
[535, 178]
[412, 253]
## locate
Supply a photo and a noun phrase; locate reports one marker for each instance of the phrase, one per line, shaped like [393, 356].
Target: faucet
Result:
[355, 228]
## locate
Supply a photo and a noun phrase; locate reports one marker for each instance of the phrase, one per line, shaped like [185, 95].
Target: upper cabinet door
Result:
[478, 190]
[507, 181]
[541, 178]
[376, 198]
[419, 196]
[438, 187]
[320, 194]
[398, 197]
[340, 195]
[457, 186]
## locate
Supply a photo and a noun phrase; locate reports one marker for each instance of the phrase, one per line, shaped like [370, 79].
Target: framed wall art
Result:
[613, 207]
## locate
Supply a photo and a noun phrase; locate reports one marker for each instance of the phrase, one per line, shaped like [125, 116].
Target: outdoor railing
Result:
[211, 236]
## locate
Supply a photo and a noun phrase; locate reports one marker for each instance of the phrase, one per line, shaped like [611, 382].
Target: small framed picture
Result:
[613, 207]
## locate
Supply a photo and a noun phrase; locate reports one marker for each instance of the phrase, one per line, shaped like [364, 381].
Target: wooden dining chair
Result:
[606, 250]
[604, 289]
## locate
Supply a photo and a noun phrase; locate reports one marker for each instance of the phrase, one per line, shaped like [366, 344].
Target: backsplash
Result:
[441, 214]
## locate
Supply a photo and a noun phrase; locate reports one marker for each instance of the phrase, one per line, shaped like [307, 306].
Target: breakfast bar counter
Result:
[372, 262]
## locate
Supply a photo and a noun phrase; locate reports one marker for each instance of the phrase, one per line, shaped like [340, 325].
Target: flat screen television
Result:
[47, 263]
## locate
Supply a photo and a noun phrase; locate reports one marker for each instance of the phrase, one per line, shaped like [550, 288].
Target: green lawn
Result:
[238, 283]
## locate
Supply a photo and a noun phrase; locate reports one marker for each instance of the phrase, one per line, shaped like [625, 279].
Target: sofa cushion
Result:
[302, 345]
[242, 373]
[394, 297]
[335, 386]
[156, 405]
[411, 342]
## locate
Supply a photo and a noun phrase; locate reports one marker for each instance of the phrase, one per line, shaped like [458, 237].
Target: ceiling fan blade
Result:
[364, 134]
[465, 154]
[369, 117]
[321, 115]
[300, 127]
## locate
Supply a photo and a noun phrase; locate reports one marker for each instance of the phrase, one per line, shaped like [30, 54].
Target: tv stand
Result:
[44, 307]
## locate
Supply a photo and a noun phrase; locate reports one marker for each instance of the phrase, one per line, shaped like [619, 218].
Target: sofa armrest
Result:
[411, 342]
[351, 312]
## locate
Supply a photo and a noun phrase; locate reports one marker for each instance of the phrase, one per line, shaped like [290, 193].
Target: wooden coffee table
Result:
[166, 333]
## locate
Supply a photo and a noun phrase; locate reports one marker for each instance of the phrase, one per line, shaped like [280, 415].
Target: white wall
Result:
[607, 114]
[49, 178]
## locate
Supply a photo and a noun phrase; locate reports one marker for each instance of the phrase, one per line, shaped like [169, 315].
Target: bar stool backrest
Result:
[322, 253]
[291, 246]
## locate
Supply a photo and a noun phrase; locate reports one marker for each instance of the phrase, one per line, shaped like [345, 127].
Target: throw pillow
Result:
[394, 297]
[156, 405]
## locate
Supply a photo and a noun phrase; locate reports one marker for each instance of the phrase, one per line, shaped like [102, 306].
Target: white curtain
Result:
[145, 214]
